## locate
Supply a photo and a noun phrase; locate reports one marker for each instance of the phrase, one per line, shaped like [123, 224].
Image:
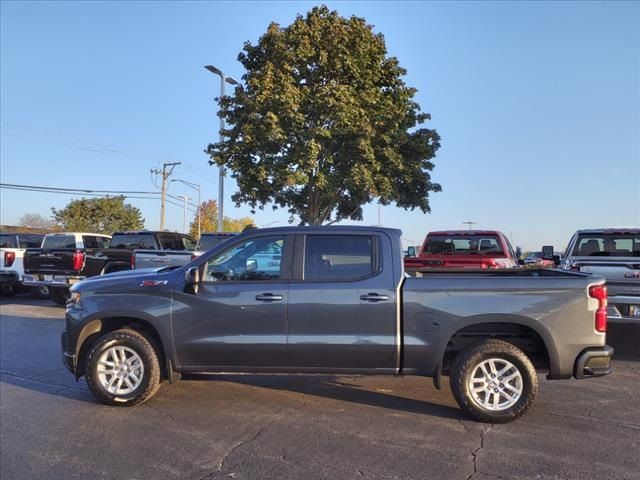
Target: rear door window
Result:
[338, 257]
[59, 241]
[90, 241]
[463, 245]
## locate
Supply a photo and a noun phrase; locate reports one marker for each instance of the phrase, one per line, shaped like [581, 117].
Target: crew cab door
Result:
[342, 303]
[237, 317]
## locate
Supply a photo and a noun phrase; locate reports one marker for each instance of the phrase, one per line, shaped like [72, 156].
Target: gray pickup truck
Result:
[337, 301]
[612, 253]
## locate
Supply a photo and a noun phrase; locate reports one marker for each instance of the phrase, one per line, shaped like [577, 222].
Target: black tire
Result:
[41, 293]
[471, 357]
[137, 342]
[59, 295]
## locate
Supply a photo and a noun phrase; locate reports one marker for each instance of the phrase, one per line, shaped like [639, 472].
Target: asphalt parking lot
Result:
[311, 427]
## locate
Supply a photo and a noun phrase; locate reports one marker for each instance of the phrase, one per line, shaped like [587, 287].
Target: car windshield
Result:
[207, 242]
[463, 245]
[59, 241]
[607, 245]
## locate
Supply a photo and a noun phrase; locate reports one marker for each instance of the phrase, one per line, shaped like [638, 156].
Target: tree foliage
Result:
[99, 215]
[35, 220]
[324, 123]
[209, 212]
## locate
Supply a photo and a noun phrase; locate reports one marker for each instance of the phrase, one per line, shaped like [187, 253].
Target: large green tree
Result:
[324, 123]
[99, 215]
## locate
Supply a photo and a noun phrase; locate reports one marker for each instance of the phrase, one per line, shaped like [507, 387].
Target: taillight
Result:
[9, 258]
[599, 292]
[78, 261]
[133, 261]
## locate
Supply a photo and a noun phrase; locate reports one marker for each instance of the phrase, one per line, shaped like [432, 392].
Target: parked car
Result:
[67, 258]
[176, 249]
[613, 253]
[338, 302]
[464, 249]
[63, 259]
[12, 248]
[537, 259]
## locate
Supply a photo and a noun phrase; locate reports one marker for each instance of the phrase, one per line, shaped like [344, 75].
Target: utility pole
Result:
[165, 175]
[186, 200]
[469, 223]
[196, 187]
[230, 81]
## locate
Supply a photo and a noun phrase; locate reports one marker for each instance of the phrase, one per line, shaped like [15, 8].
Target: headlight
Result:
[74, 300]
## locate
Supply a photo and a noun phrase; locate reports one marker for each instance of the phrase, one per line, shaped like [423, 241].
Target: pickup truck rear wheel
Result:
[494, 381]
[59, 295]
[122, 368]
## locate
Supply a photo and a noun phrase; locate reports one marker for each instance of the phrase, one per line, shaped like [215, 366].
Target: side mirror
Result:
[192, 276]
[547, 252]
[252, 265]
[521, 261]
[557, 260]
[411, 251]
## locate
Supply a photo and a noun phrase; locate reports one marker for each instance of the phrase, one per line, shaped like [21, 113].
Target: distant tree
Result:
[209, 211]
[325, 123]
[99, 215]
[35, 220]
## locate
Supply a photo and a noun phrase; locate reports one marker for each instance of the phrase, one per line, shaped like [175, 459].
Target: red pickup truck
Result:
[464, 249]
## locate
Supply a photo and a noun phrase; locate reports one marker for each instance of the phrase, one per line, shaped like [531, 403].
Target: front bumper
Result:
[593, 362]
[39, 280]
[68, 358]
[9, 277]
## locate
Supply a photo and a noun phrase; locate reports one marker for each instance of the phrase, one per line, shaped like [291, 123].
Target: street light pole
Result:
[197, 188]
[186, 200]
[231, 81]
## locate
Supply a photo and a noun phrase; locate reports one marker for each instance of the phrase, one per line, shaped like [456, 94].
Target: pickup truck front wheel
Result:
[494, 381]
[122, 368]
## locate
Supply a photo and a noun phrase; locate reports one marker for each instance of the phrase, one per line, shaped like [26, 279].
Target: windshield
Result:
[59, 241]
[8, 241]
[463, 245]
[607, 245]
[207, 242]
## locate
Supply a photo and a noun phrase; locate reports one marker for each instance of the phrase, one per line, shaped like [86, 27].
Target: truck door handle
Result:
[268, 297]
[373, 297]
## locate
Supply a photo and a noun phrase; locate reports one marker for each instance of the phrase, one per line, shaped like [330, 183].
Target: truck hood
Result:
[126, 278]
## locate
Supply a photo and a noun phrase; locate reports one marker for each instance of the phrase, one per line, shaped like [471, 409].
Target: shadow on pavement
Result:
[332, 388]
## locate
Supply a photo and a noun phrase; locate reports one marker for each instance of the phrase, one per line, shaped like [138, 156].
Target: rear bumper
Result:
[38, 280]
[593, 362]
[8, 277]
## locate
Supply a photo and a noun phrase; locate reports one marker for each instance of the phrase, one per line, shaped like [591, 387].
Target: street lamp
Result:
[186, 201]
[230, 81]
[196, 187]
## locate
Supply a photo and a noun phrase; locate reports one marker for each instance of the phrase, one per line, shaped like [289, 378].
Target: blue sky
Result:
[538, 105]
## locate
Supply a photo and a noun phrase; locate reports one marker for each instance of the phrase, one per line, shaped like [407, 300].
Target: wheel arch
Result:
[516, 329]
[99, 327]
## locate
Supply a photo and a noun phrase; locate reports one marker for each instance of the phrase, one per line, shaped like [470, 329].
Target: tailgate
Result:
[449, 261]
[161, 258]
[623, 276]
[49, 261]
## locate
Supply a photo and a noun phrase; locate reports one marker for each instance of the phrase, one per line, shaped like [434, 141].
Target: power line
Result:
[75, 190]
